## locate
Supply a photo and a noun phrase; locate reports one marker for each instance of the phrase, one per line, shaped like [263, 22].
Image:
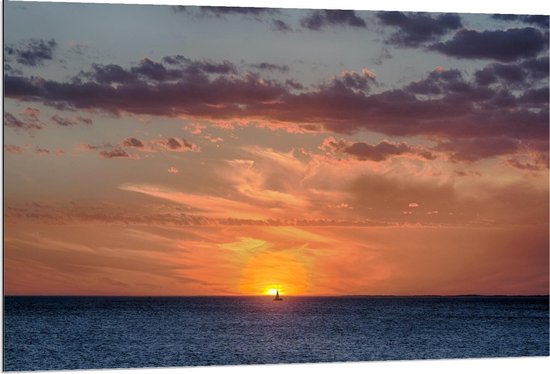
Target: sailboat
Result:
[277, 297]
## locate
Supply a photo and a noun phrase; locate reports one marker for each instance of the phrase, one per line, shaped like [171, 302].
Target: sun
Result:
[272, 291]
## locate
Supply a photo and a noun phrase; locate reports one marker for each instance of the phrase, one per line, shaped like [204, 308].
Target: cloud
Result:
[171, 144]
[535, 96]
[367, 152]
[440, 81]
[271, 67]
[30, 120]
[476, 149]
[351, 80]
[443, 105]
[45, 151]
[415, 29]
[107, 74]
[222, 11]
[538, 20]
[175, 144]
[132, 143]
[32, 52]
[107, 151]
[15, 149]
[264, 15]
[525, 165]
[320, 19]
[195, 128]
[279, 25]
[153, 92]
[500, 72]
[68, 122]
[213, 139]
[504, 46]
[258, 14]
[116, 153]
[536, 68]
[210, 206]
[147, 70]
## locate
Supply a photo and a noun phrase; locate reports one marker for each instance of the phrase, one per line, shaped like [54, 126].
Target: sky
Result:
[177, 150]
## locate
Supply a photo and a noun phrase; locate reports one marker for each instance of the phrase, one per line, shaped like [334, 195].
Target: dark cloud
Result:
[11, 121]
[279, 25]
[209, 67]
[30, 121]
[378, 152]
[41, 151]
[535, 96]
[439, 82]
[195, 94]
[351, 80]
[111, 73]
[524, 75]
[538, 20]
[270, 67]
[293, 84]
[10, 69]
[84, 120]
[68, 122]
[476, 149]
[504, 46]
[444, 105]
[107, 151]
[540, 164]
[65, 122]
[133, 143]
[320, 19]
[115, 153]
[153, 70]
[90, 147]
[176, 60]
[176, 145]
[148, 70]
[32, 52]
[222, 11]
[536, 68]
[417, 28]
[500, 72]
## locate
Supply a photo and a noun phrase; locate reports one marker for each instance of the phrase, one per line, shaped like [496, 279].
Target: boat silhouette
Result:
[277, 297]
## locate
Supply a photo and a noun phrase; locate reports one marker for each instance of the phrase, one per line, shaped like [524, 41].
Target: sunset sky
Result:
[165, 150]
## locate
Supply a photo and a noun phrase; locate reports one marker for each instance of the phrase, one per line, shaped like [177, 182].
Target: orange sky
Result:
[325, 158]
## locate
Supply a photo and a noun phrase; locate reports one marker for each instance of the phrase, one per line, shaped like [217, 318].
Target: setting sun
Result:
[272, 291]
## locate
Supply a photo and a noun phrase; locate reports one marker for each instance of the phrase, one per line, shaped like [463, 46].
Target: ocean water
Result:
[43, 333]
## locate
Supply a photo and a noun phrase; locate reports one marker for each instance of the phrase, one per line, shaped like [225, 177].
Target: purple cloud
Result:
[504, 46]
[319, 19]
[417, 28]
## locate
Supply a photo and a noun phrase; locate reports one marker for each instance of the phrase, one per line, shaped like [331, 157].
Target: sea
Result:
[59, 333]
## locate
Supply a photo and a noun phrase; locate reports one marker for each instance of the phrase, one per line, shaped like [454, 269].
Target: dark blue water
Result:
[42, 333]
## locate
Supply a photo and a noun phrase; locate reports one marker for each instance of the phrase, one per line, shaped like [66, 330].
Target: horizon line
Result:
[287, 295]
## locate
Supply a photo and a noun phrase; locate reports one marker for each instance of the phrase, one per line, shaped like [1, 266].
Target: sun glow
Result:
[272, 291]
[268, 271]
